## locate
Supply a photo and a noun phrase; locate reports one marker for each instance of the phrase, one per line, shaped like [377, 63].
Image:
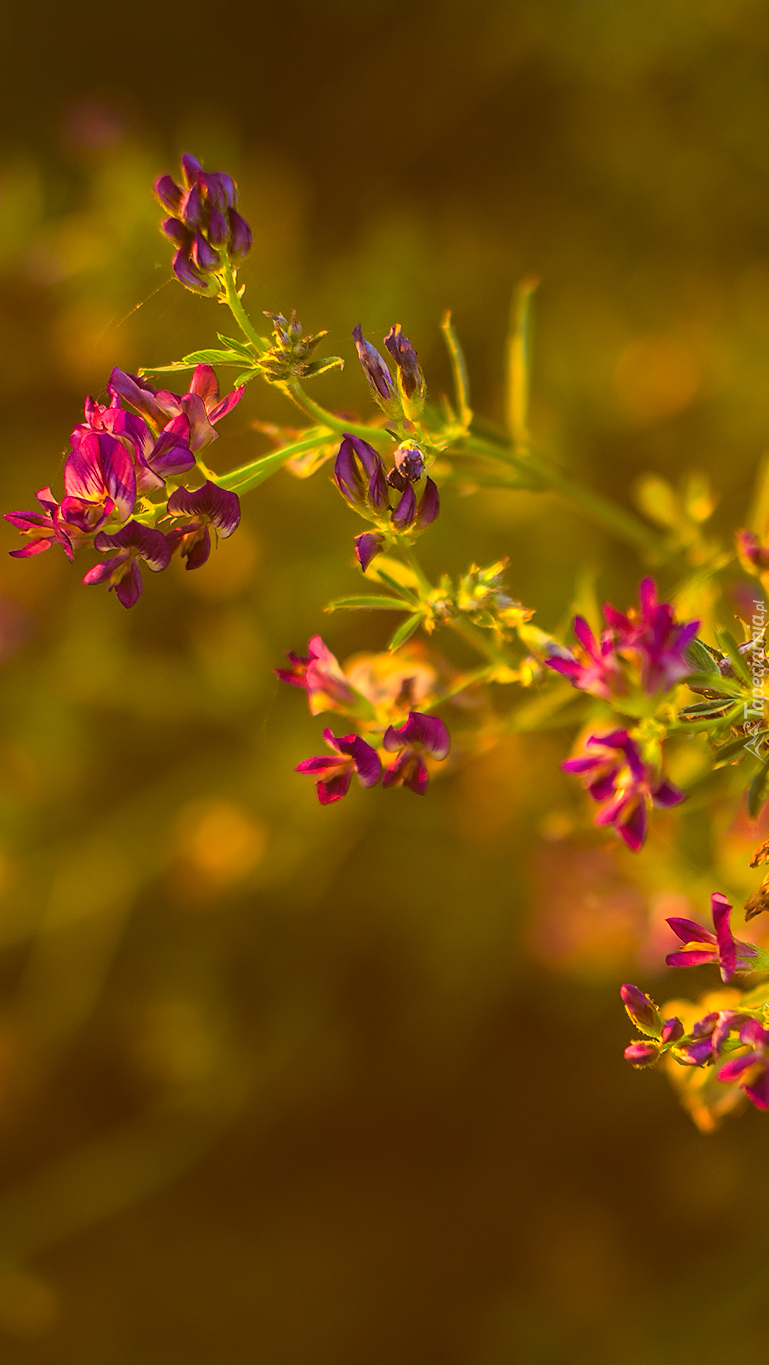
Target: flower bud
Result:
[411, 382]
[641, 1010]
[642, 1054]
[367, 546]
[672, 1030]
[378, 375]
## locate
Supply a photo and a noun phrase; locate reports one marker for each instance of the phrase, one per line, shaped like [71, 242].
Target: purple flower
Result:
[99, 479]
[155, 458]
[614, 773]
[410, 378]
[201, 405]
[334, 775]
[133, 542]
[420, 735]
[367, 546]
[751, 1068]
[320, 675]
[409, 466]
[645, 647]
[377, 374]
[205, 226]
[700, 946]
[359, 474]
[409, 512]
[641, 1010]
[206, 506]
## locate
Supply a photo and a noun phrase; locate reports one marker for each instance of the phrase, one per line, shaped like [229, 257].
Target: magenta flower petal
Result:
[169, 193]
[689, 931]
[694, 957]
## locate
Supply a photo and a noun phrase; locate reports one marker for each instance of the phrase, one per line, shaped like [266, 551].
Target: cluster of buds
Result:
[419, 739]
[205, 226]
[404, 396]
[643, 650]
[614, 773]
[117, 459]
[708, 1041]
[359, 474]
[289, 356]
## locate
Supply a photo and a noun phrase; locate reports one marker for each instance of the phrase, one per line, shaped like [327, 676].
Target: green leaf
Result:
[213, 357]
[234, 344]
[245, 378]
[405, 630]
[729, 646]
[757, 790]
[316, 367]
[700, 658]
[705, 708]
[729, 751]
[378, 603]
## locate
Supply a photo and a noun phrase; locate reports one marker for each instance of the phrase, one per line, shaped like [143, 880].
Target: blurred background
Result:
[293, 1084]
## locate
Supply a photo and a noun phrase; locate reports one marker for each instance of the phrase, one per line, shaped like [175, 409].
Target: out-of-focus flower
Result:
[700, 946]
[754, 557]
[751, 1068]
[205, 227]
[206, 506]
[201, 405]
[121, 571]
[644, 648]
[410, 378]
[318, 672]
[421, 735]
[614, 773]
[334, 775]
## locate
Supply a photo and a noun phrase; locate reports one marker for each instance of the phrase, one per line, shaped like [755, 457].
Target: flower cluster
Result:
[615, 774]
[643, 649]
[205, 226]
[359, 474]
[381, 692]
[117, 459]
[740, 1062]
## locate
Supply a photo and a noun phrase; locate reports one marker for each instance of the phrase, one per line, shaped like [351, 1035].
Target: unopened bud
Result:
[641, 1010]
[642, 1054]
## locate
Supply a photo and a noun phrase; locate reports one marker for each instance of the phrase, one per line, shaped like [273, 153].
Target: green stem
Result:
[296, 393]
[464, 681]
[250, 475]
[232, 300]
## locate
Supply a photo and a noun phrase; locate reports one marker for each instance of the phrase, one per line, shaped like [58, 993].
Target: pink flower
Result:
[334, 775]
[700, 946]
[644, 647]
[614, 773]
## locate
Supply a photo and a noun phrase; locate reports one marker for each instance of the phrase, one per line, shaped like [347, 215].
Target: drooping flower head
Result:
[334, 775]
[721, 947]
[421, 736]
[643, 648]
[205, 226]
[121, 571]
[614, 773]
[204, 507]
